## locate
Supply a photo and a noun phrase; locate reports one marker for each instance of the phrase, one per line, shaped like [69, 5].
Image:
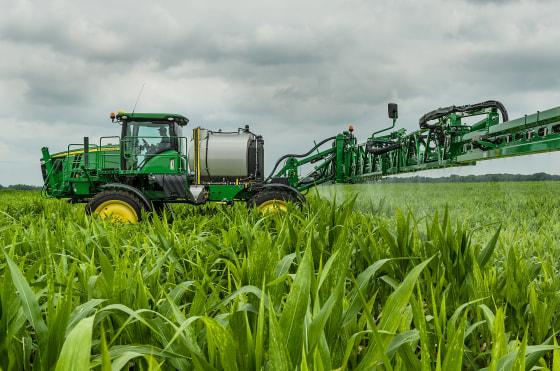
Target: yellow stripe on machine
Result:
[81, 151]
[197, 143]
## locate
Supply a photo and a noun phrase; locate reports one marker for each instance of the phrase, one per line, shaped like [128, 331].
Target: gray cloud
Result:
[487, 2]
[296, 71]
[524, 68]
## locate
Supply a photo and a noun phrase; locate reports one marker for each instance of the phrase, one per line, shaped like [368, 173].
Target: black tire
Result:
[265, 196]
[116, 195]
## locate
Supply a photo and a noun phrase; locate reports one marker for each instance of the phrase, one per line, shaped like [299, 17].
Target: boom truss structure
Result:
[444, 139]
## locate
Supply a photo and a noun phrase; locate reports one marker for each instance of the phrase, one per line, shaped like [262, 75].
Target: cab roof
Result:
[136, 116]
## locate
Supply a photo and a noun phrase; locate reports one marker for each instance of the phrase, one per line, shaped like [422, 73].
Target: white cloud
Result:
[296, 71]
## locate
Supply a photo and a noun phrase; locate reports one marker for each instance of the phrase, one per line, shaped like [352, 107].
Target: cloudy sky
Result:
[296, 71]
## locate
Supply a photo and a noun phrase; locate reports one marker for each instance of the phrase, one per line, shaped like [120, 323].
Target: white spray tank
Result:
[228, 155]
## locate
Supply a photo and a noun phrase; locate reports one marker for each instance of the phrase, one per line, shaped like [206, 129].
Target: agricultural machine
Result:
[152, 163]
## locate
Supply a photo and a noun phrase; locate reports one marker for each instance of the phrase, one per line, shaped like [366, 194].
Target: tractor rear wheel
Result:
[274, 200]
[119, 206]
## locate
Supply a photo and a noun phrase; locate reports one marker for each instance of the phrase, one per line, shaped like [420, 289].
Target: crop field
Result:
[382, 276]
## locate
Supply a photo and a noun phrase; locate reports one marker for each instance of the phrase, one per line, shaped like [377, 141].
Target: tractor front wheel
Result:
[270, 201]
[119, 206]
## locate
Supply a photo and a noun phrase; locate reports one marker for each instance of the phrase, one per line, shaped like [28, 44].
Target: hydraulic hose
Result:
[382, 150]
[298, 156]
[441, 112]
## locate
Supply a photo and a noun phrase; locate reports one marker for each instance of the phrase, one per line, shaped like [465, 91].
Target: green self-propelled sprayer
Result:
[152, 163]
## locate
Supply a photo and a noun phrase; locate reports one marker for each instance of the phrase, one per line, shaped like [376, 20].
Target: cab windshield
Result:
[144, 139]
[150, 137]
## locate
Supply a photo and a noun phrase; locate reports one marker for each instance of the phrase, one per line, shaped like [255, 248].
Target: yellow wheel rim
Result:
[118, 211]
[273, 206]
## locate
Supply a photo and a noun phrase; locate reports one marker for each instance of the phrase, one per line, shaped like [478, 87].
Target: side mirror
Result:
[393, 111]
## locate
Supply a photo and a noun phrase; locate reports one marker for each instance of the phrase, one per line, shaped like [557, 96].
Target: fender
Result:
[136, 191]
[285, 187]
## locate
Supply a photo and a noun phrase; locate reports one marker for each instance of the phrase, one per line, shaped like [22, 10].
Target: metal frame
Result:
[447, 142]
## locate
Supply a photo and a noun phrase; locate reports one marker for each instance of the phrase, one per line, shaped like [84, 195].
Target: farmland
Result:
[393, 276]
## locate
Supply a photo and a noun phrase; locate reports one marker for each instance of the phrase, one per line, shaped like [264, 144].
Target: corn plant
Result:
[345, 283]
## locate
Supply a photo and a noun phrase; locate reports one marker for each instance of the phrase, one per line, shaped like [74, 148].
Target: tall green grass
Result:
[341, 284]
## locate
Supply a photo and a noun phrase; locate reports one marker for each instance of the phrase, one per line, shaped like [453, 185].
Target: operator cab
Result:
[151, 136]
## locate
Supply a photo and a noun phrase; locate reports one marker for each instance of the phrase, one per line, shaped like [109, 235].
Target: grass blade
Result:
[76, 350]
[291, 320]
[485, 254]
[30, 305]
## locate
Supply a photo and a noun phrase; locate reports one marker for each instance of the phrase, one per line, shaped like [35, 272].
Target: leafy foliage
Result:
[352, 284]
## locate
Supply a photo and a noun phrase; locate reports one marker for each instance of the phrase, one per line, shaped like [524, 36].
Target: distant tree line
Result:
[19, 187]
[415, 179]
[476, 178]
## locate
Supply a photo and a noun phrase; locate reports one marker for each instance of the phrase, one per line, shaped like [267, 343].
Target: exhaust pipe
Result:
[86, 152]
